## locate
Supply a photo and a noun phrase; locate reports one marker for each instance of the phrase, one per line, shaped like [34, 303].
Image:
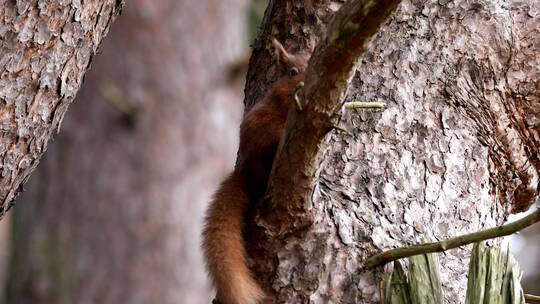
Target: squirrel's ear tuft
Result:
[280, 52]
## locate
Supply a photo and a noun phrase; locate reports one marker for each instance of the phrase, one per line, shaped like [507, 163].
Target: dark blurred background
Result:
[114, 212]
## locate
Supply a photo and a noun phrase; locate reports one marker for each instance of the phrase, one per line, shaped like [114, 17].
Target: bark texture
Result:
[115, 213]
[45, 49]
[456, 149]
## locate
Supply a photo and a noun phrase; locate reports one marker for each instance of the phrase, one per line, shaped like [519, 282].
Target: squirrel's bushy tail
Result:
[224, 248]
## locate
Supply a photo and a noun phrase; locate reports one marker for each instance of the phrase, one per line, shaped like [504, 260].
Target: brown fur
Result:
[223, 236]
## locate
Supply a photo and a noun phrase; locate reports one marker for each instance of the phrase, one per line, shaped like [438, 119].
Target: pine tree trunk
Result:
[115, 213]
[45, 49]
[455, 150]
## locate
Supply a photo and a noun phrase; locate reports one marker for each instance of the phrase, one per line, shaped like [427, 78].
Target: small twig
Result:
[399, 253]
[365, 105]
[533, 298]
[341, 129]
[297, 100]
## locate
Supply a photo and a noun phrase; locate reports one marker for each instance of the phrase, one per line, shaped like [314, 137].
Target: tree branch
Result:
[399, 253]
[532, 298]
[326, 81]
[365, 105]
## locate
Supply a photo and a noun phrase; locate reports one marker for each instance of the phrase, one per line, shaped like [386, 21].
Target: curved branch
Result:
[399, 253]
[326, 81]
[532, 298]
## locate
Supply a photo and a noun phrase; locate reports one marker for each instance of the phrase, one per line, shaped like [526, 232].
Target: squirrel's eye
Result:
[293, 71]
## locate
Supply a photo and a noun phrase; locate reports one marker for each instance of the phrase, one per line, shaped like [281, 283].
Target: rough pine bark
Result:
[45, 49]
[115, 213]
[455, 150]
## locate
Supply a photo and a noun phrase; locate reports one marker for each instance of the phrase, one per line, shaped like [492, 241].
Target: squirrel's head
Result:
[292, 65]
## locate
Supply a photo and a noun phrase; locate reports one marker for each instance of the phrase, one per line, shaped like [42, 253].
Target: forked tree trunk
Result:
[45, 49]
[115, 213]
[455, 150]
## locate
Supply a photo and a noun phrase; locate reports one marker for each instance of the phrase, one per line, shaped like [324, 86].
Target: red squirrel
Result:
[227, 215]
